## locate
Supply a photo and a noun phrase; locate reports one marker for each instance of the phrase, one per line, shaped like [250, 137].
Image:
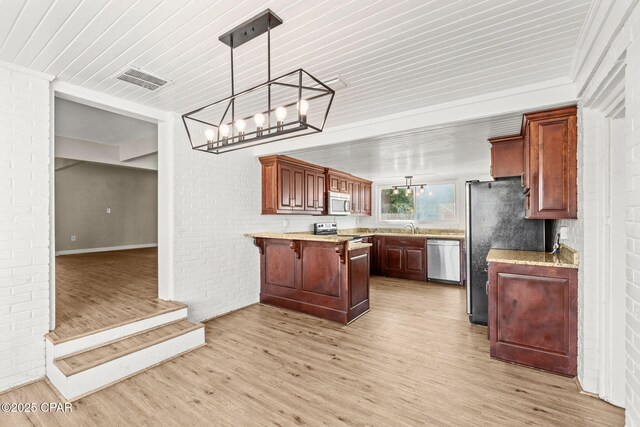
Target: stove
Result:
[331, 229]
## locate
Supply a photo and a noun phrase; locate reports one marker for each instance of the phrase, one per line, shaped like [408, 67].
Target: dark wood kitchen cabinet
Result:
[360, 191]
[544, 155]
[315, 194]
[291, 186]
[507, 156]
[377, 255]
[324, 279]
[533, 316]
[355, 197]
[338, 181]
[550, 178]
[365, 209]
[405, 258]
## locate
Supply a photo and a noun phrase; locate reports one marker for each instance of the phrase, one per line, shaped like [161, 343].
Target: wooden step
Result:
[136, 312]
[81, 361]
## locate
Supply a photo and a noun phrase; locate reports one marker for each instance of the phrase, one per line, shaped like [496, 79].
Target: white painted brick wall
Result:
[217, 199]
[24, 231]
[632, 99]
[590, 128]
[583, 232]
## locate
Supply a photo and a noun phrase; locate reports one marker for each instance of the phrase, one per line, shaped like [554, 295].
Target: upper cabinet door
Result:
[355, 196]
[320, 190]
[366, 199]
[314, 190]
[342, 185]
[298, 187]
[553, 166]
[507, 156]
[310, 190]
[285, 173]
[334, 183]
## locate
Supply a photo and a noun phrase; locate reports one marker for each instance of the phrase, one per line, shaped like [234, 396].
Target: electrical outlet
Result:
[285, 222]
[108, 210]
[73, 238]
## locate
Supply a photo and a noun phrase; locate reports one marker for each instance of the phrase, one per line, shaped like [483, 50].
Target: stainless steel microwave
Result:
[338, 203]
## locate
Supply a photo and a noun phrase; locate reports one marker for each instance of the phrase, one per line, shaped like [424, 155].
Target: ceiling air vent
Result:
[141, 78]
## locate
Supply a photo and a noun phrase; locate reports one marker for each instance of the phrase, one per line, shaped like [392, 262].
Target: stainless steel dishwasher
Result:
[443, 261]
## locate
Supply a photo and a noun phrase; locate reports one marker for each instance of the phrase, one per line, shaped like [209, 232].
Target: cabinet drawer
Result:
[406, 242]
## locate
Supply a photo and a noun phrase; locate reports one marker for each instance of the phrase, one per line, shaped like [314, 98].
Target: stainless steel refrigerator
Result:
[494, 219]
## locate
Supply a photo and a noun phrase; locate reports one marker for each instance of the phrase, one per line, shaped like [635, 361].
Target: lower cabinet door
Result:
[394, 261]
[533, 316]
[358, 278]
[415, 264]
[279, 268]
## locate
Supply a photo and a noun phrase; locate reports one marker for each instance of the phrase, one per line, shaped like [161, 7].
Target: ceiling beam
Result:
[532, 97]
[75, 149]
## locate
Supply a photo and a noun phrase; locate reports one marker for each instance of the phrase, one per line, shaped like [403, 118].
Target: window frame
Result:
[454, 222]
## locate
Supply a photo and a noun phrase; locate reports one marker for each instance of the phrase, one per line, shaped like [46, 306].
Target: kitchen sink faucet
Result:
[413, 228]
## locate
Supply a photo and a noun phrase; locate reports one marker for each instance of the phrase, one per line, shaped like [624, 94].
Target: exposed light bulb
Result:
[224, 131]
[259, 119]
[422, 189]
[210, 135]
[281, 113]
[303, 107]
[241, 125]
[408, 190]
[395, 190]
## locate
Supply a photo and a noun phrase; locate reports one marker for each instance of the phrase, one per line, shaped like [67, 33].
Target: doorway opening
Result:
[106, 219]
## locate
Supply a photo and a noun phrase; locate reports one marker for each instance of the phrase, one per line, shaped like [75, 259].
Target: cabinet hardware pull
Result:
[486, 288]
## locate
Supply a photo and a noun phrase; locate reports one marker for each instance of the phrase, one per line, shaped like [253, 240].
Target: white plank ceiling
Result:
[393, 55]
[457, 149]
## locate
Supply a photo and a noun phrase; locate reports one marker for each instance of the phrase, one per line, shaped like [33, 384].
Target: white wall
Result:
[24, 215]
[609, 40]
[217, 199]
[84, 191]
[633, 221]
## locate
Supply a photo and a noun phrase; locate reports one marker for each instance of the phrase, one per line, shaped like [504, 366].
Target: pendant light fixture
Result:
[259, 115]
[409, 186]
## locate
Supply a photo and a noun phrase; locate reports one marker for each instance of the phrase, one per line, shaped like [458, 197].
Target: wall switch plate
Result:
[73, 238]
[108, 210]
[285, 222]
[564, 232]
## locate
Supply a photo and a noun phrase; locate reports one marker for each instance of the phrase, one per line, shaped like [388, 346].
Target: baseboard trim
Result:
[106, 249]
[226, 313]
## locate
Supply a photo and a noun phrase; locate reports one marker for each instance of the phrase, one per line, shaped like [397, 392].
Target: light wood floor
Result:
[413, 360]
[95, 291]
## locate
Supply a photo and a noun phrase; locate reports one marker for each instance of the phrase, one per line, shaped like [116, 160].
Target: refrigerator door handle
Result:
[467, 243]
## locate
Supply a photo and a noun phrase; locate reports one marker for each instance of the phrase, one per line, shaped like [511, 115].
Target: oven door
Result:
[339, 205]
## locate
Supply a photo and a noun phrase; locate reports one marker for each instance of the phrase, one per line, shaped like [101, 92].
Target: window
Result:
[437, 203]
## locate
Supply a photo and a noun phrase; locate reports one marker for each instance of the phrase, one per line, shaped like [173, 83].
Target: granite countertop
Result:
[300, 236]
[310, 237]
[430, 233]
[344, 235]
[567, 258]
